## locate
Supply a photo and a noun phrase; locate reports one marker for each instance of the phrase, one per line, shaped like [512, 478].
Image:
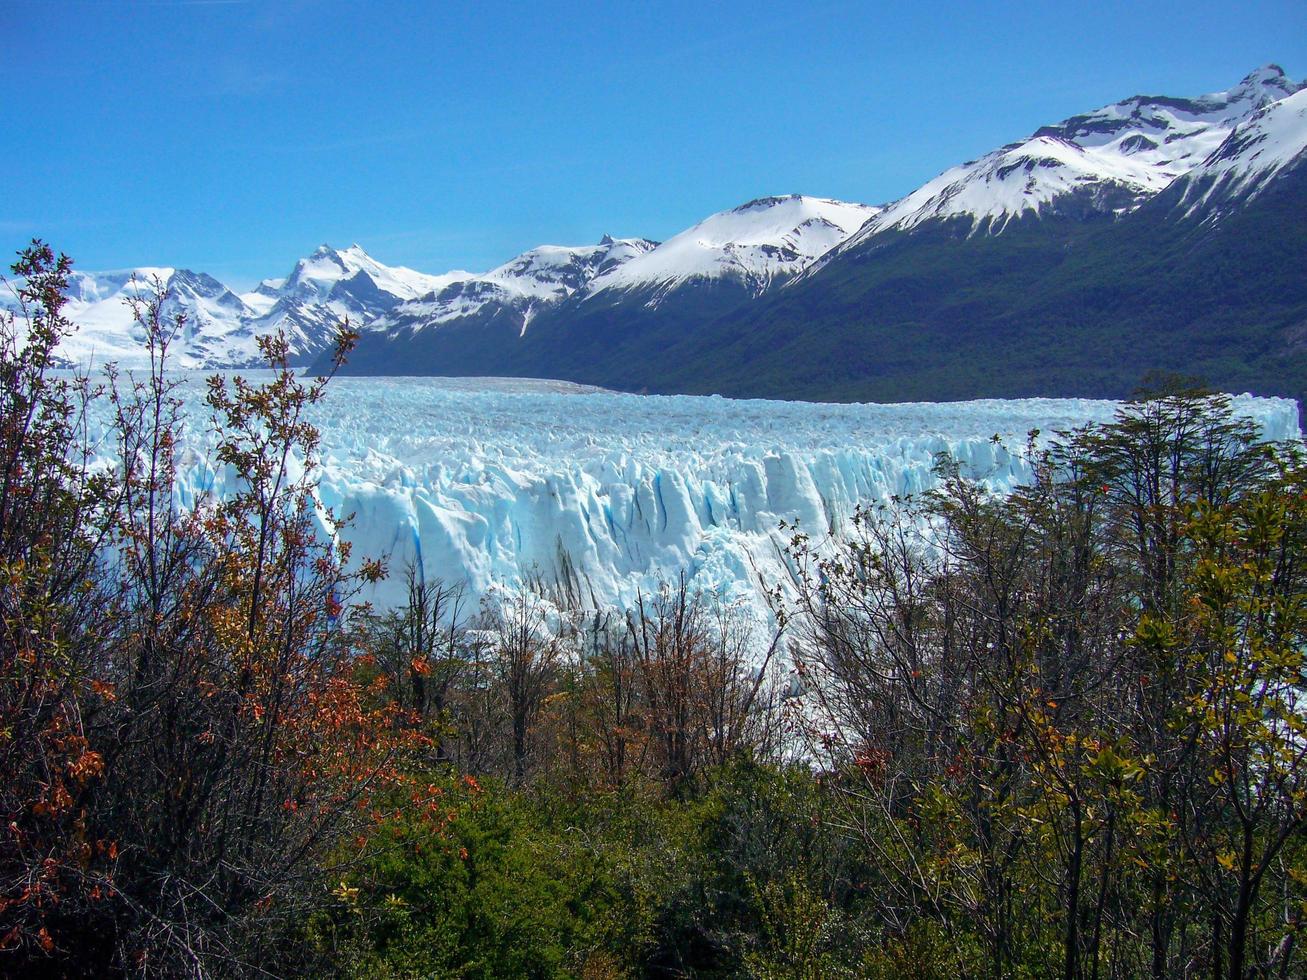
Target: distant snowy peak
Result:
[1180, 117]
[1258, 151]
[1106, 161]
[95, 287]
[520, 287]
[101, 304]
[220, 328]
[765, 241]
[552, 272]
[320, 274]
[331, 285]
[1258, 89]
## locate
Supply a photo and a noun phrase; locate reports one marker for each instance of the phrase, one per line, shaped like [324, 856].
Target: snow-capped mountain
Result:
[755, 245]
[221, 328]
[102, 305]
[552, 310]
[1061, 276]
[519, 288]
[1269, 143]
[1107, 161]
[330, 272]
[758, 244]
[334, 284]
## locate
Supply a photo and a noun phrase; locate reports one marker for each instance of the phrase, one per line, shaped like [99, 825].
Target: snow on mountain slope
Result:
[1253, 155]
[494, 481]
[762, 242]
[757, 244]
[522, 286]
[1114, 157]
[222, 328]
[99, 303]
[321, 274]
[333, 284]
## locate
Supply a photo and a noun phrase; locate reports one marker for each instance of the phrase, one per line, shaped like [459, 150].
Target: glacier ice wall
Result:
[492, 481]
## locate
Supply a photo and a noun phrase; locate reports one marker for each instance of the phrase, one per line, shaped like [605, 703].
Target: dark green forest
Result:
[1057, 733]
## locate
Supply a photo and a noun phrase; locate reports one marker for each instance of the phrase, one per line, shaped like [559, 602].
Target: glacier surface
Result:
[492, 482]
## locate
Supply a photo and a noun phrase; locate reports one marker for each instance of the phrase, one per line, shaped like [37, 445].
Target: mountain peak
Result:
[1268, 74]
[1271, 141]
[1104, 162]
[1258, 88]
[329, 251]
[758, 243]
[762, 203]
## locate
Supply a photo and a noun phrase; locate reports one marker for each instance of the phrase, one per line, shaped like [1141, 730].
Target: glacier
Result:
[495, 482]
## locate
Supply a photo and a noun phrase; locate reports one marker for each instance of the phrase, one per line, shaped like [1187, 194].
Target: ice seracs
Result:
[497, 482]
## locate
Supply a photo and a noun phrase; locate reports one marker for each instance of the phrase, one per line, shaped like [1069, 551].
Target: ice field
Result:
[492, 481]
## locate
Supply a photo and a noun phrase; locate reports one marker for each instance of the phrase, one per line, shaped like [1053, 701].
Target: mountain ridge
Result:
[745, 301]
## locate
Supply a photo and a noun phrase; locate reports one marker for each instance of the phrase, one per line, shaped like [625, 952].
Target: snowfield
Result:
[494, 481]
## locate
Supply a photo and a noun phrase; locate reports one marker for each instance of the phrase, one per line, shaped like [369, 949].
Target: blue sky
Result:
[232, 137]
